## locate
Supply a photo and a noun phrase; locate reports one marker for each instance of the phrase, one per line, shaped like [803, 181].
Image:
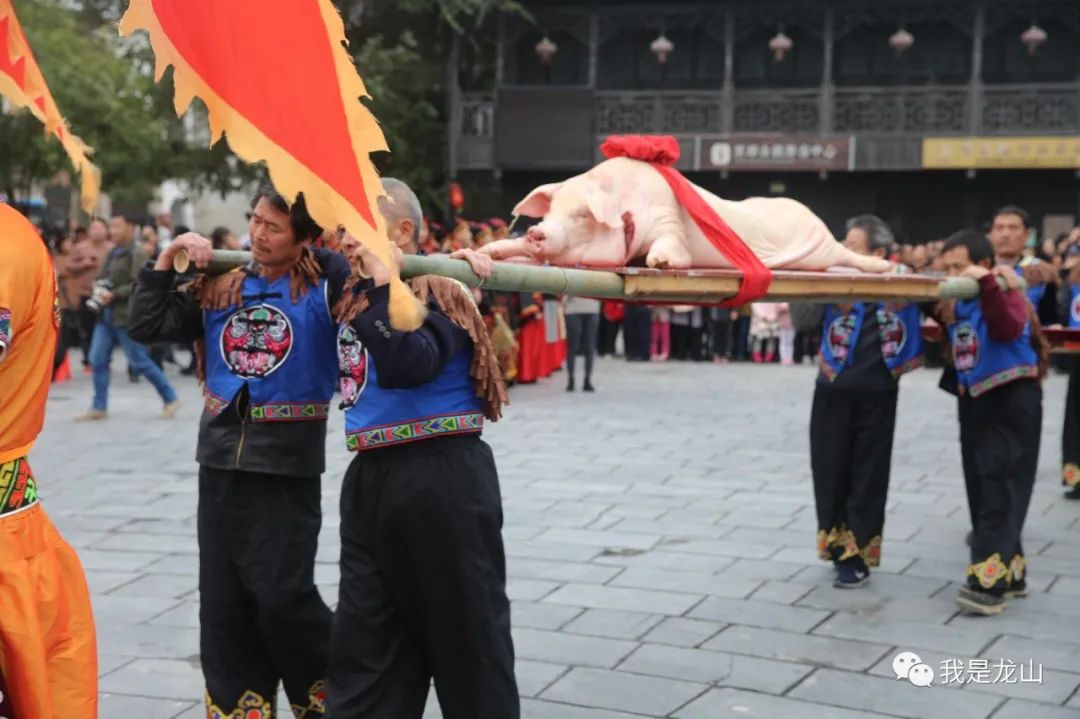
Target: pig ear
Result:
[604, 206]
[538, 202]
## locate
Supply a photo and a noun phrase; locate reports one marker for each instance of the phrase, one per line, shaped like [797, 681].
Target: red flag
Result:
[22, 83]
[279, 84]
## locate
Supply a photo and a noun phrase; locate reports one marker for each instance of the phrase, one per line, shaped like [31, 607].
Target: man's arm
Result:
[158, 313]
[407, 359]
[1005, 312]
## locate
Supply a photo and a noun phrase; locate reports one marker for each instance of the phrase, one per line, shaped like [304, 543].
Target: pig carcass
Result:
[623, 210]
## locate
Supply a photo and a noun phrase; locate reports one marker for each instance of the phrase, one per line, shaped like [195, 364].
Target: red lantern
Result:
[457, 196]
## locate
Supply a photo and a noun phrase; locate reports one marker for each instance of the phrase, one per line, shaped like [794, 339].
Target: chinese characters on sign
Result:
[777, 153]
[939, 153]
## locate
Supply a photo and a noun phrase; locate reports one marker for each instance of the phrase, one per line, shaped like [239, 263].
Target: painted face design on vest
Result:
[839, 337]
[965, 348]
[1074, 310]
[352, 366]
[893, 334]
[256, 341]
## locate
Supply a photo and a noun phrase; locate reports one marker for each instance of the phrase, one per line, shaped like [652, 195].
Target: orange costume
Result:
[48, 654]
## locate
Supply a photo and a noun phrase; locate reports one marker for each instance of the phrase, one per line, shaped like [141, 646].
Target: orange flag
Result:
[22, 83]
[280, 85]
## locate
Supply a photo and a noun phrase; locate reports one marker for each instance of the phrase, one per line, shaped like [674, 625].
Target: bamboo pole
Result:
[646, 285]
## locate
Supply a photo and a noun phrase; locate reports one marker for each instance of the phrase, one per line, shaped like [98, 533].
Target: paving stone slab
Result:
[876, 694]
[717, 668]
[804, 648]
[759, 614]
[612, 623]
[623, 598]
[620, 691]
[683, 632]
[739, 703]
[570, 649]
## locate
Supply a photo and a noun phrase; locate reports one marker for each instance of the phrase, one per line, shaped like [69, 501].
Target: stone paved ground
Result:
[660, 540]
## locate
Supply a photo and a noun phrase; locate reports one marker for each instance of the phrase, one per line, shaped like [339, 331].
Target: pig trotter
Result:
[668, 253]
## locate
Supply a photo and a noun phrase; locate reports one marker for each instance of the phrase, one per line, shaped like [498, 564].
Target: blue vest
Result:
[981, 363]
[1074, 306]
[1034, 292]
[901, 338]
[377, 417]
[283, 352]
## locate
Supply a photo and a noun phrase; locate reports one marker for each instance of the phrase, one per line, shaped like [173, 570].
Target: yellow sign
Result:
[978, 153]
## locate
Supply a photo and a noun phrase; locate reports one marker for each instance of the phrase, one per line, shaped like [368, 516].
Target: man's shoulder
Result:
[333, 264]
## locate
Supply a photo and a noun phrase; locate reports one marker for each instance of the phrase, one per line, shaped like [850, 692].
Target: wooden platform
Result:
[710, 286]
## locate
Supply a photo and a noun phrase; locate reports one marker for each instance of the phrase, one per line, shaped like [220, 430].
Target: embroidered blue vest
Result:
[981, 363]
[377, 417]
[901, 338]
[283, 352]
[1074, 306]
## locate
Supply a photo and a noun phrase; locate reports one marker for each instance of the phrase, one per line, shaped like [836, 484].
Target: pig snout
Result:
[545, 240]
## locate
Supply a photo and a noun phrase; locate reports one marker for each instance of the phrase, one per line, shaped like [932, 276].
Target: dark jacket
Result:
[230, 441]
[121, 268]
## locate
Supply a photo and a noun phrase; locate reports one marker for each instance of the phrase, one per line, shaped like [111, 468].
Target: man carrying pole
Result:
[266, 346]
[423, 571]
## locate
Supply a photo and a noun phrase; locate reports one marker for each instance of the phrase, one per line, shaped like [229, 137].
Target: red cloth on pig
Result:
[662, 152]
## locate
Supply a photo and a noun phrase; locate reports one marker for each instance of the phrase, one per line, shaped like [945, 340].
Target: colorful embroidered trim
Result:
[912, 364]
[251, 706]
[214, 405]
[413, 431]
[1017, 567]
[990, 571]
[290, 411]
[5, 331]
[829, 372]
[1070, 475]
[843, 539]
[18, 490]
[1001, 378]
[316, 702]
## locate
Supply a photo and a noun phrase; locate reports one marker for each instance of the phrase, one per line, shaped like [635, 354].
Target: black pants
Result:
[1070, 431]
[581, 332]
[637, 332]
[423, 586]
[261, 618]
[851, 436]
[999, 444]
[608, 334]
[720, 332]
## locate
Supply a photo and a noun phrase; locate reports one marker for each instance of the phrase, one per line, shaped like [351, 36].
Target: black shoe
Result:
[1017, 590]
[1073, 493]
[570, 385]
[588, 386]
[850, 576]
[980, 601]
[969, 538]
[188, 371]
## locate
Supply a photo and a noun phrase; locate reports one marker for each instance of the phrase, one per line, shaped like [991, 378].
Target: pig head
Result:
[623, 210]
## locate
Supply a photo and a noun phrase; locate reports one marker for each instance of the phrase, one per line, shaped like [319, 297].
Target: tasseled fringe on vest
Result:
[224, 291]
[459, 307]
